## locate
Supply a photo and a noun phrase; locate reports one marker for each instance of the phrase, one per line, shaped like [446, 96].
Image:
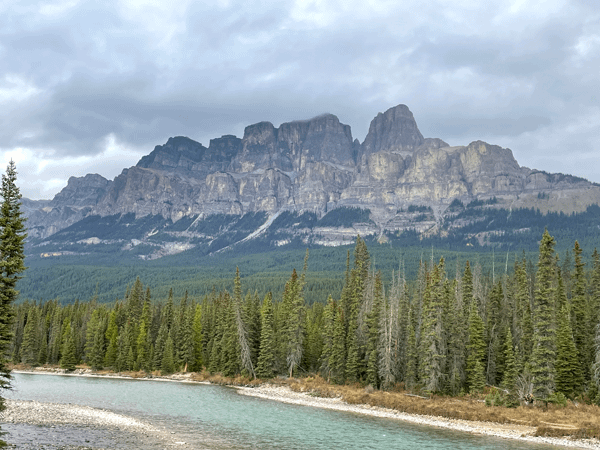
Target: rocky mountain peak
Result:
[394, 131]
[179, 151]
[224, 148]
[82, 191]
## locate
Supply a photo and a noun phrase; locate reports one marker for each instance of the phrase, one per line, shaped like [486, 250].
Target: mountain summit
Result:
[314, 166]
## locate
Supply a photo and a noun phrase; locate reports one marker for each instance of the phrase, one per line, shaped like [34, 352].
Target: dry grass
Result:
[576, 420]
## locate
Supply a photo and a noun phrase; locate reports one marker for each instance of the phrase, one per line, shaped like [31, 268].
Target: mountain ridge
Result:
[314, 166]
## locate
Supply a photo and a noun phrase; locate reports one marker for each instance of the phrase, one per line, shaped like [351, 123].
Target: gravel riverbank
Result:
[507, 431]
[35, 425]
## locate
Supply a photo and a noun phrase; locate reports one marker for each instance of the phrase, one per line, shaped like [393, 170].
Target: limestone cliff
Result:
[313, 165]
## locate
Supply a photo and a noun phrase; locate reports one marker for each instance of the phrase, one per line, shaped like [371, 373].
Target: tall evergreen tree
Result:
[266, 356]
[328, 330]
[580, 314]
[112, 337]
[12, 256]
[30, 345]
[167, 364]
[242, 332]
[543, 357]
[510, 372]
[337, 359]
[198, 340]
[68, 359]
[475, 350]
[569, 378]
[433, 344]
[373, 321]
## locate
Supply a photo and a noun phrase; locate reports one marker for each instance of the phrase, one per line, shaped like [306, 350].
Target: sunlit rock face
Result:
[312, 165]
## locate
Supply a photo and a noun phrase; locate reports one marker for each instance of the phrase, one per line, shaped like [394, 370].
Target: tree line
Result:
[532, 333]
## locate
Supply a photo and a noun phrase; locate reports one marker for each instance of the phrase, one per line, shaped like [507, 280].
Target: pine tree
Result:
[12, 242]
[579, 314]
[167, 364]
[159, 346]
[266, 355]
[510, 370]
[524, 342]
[543, 357]
[373, 334]
[433, 345]
[112, 336]
[337, 361]
[412, 357]
[30, 345]
[198, 340]
[475, 350]
[569, 378]
[68, 360]
[328, 330]
[241, 328]
[295, 312]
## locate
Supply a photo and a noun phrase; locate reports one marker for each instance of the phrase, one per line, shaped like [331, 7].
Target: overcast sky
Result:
[90, 87]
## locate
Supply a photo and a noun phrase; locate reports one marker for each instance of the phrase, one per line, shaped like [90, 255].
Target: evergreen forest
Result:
[533, 331]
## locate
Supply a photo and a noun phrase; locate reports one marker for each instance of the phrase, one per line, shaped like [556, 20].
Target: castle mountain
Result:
[308, 167]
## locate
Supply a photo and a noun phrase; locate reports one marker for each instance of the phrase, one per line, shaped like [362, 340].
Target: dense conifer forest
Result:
[532, 332]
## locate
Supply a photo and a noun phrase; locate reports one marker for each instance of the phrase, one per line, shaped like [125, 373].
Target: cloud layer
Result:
[89, 87]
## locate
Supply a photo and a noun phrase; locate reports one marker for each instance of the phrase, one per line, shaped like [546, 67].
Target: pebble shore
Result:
[34, 425]
[506, 431]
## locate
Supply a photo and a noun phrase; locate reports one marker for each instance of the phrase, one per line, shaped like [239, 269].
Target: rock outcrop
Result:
[311, 165]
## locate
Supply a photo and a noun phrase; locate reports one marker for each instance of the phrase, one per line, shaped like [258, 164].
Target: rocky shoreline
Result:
[36, 425]
[52, 415]
[506, 431]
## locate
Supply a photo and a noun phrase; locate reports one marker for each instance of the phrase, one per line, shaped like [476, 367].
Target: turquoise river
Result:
[214, 417]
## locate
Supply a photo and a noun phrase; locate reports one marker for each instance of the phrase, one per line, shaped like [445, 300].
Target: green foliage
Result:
[569, 378]
[475, 350]
[430, 333]
[543, 358]
[69, 359]
[12, 242]
[344, 216]
[419, 208]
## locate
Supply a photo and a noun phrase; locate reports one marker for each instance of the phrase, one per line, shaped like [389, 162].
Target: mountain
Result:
[306, 181]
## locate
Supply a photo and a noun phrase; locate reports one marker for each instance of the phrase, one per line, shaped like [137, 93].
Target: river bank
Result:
[301, 392]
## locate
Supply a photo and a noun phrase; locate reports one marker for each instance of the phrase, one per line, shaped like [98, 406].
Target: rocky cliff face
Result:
[312, 165]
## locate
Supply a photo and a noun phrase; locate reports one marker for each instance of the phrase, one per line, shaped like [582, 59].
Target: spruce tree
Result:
[373, 320]
[198, 340]
[337, 360]
[266, 355]
[580, 314]
[12, 242]
[433, 344]
[510, 371]
[68, 359]
[30, 345]
[569, 378]
[328, 330]
[294, 330]
[159, 346]
[167, 364]
[475, 350]
[543, 357]
[112, 337]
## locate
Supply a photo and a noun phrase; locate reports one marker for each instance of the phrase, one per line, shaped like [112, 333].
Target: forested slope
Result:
[531, 330]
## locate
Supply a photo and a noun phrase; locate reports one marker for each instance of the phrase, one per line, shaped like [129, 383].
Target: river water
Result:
[216, 417]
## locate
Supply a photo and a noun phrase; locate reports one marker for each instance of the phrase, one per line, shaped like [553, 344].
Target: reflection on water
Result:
[217, 417]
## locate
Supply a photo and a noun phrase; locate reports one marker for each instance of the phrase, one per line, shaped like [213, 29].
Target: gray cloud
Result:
[75, 77]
